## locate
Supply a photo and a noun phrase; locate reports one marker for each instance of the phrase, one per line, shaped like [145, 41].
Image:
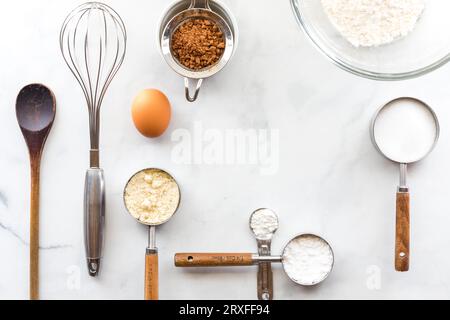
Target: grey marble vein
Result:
[21, 240]
[4, 199]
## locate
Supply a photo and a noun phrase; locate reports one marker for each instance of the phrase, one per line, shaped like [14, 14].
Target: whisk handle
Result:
[94, 219]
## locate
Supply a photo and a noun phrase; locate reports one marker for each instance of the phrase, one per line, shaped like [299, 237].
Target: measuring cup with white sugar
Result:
[404, 131]
[307, 259]
[152, 197]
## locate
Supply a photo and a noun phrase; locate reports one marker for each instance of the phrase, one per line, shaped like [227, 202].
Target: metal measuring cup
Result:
[183, 11]
[249, 259]
[264, 236]
[151, 259]
[402, 243]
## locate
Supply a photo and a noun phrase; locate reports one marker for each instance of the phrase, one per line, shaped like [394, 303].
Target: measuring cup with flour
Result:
[152, 197]
[307, 260]
[264, 223]
[404, 131]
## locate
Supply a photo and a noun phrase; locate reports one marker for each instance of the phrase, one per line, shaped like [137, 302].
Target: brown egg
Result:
[151, 113]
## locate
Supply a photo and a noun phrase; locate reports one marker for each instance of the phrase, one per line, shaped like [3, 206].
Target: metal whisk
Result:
[93, 43]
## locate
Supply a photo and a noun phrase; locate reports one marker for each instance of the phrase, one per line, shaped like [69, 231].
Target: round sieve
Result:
[179, 14]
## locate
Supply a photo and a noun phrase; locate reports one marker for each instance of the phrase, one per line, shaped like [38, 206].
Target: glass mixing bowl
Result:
[425, 49]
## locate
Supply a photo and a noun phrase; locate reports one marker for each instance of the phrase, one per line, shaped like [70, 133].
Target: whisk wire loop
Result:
[93, 43]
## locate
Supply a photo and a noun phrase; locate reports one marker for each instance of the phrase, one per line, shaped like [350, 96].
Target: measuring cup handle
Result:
[200, 4]
[402, 243]
[265, 281]
[194, 83]
[151, 275]
[213, 259]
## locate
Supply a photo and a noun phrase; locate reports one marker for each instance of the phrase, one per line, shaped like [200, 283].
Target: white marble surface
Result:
[330, 179]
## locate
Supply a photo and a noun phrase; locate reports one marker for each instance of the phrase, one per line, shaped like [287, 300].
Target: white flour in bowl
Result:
[370, 23]
[308, 260]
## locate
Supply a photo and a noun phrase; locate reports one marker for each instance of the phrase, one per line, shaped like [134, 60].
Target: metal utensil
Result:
[175, 17]
[247, 259]
[402, 247]
[93, 43]
[264, 235]
[151, 260]
[36, 110]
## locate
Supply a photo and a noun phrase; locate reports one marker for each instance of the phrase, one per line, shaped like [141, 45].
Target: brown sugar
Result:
[198, 44]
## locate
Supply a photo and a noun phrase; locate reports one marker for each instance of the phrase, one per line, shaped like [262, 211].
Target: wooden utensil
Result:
[191, 260]
[36, 110]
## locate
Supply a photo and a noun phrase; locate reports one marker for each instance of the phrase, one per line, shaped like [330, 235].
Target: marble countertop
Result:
[314, 164]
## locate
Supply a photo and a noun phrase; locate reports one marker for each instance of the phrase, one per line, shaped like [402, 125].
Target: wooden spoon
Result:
[36, 110]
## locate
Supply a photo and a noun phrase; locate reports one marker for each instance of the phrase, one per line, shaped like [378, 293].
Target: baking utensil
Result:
[264, 236]
[93, 43]
[151, 259]
[245, 259]
[417, 147]
[185, 10]
[36, 110]
[425, 49]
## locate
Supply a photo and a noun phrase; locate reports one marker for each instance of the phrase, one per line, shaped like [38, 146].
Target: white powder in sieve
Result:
[405, 131]
[264, 223]
[308, 260]
[369, 23]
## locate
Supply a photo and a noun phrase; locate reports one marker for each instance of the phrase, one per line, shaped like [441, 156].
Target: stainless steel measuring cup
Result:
[183, 11]
[151, 259]
[264, 223]
[402, 243]
[250, 259]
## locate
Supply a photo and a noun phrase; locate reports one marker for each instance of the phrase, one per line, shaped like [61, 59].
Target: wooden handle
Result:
[213, 259]
[34, 230]
[402, 250]
[151, 276]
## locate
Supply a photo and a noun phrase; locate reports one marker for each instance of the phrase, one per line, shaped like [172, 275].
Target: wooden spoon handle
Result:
[151, 276]
[213, 259]
[402, 247]
[34, 230]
